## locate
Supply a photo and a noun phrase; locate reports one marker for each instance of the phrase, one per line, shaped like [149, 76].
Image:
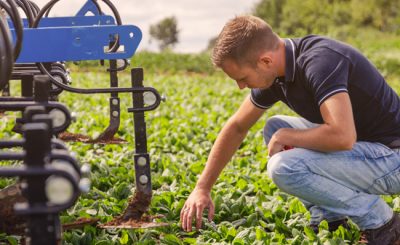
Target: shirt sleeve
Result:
[263, 98]
[327, 73]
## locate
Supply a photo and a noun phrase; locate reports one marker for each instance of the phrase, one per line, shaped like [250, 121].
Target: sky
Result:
[198, 20]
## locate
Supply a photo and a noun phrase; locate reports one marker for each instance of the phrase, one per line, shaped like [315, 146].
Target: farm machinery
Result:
[34, 50]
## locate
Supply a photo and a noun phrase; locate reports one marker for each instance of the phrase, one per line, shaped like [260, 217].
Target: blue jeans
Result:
[340, 184]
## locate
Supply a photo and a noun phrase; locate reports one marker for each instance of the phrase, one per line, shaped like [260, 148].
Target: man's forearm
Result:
[321, 138]
[228, 141]
[337, 133]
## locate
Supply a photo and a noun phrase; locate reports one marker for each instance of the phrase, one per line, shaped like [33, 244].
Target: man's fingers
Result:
[184, 218]
[199, 215]
[182, 214]
[189, 218]
[211, 211]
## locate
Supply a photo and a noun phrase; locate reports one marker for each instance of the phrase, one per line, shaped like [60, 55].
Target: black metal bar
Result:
[18, 99]
[37, 172]
[55, 144]
[26, 86]
[34, 191]
[42, 88]
[22, 105]
[11, 143]
[30, 111]
[140, 124]
[11, 156]
[58, 144]
[142, 160]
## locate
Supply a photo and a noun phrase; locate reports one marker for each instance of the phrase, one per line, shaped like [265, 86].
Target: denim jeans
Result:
[340, 184]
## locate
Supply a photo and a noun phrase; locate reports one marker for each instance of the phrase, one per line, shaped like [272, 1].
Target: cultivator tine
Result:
[133, 218]
[107, 136]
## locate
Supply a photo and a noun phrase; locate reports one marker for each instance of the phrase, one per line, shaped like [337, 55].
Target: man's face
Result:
[261, 75]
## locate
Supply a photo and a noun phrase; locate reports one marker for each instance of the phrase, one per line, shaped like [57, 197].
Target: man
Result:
[340, 156]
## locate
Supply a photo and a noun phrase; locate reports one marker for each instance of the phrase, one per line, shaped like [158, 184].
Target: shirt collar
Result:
[290, 68]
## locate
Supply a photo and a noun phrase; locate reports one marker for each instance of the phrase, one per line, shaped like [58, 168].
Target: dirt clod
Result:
[137, 206]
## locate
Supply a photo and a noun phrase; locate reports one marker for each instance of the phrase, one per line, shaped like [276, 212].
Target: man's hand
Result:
[194, 207]
[275, 145]
[227, 142]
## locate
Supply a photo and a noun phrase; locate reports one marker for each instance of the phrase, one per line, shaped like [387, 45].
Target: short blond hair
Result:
[242, 38]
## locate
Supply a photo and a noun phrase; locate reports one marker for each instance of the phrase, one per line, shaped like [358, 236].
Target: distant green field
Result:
[249, 207]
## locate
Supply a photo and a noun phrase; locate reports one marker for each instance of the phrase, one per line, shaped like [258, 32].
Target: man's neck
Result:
[281, 53]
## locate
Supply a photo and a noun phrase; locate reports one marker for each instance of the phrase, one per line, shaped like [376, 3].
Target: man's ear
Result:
[265, 60]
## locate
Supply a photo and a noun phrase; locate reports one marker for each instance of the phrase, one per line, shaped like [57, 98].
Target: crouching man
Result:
[344, 150]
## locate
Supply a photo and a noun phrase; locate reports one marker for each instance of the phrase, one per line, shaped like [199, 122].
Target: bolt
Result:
[85, 169]
[114, 101]
[24, 185]
[115, 113]
[143, 179]
[84, 185]
[142, 161]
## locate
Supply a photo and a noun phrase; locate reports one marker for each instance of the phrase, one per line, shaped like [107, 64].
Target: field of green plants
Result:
[249, 207]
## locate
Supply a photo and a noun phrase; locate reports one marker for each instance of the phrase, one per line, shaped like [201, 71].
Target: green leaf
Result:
[124, 238]
[241, 184]
[190, 240]
[231, 234]
[12, 240]
[171, 239]
[238, 241]
[310, 233]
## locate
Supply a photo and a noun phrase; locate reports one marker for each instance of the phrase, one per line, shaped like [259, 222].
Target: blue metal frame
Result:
[103, 20]
[77, 38]
[78, 43]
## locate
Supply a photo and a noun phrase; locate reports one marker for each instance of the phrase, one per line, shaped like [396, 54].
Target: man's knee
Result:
[276, 167]
[287, 169]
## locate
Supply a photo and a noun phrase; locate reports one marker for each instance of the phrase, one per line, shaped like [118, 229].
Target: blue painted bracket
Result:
[78, 43]
[101, 20]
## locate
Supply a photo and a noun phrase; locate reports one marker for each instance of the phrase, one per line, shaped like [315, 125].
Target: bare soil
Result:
[72, 137]
[137, 206]
[11, 223]
[144, 222]
[80, 223]
[133, 214]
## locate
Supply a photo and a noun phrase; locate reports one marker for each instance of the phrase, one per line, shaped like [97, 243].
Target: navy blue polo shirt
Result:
[317, 68]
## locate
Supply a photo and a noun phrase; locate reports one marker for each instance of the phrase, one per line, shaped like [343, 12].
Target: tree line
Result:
[293, 17]
[338, 18]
